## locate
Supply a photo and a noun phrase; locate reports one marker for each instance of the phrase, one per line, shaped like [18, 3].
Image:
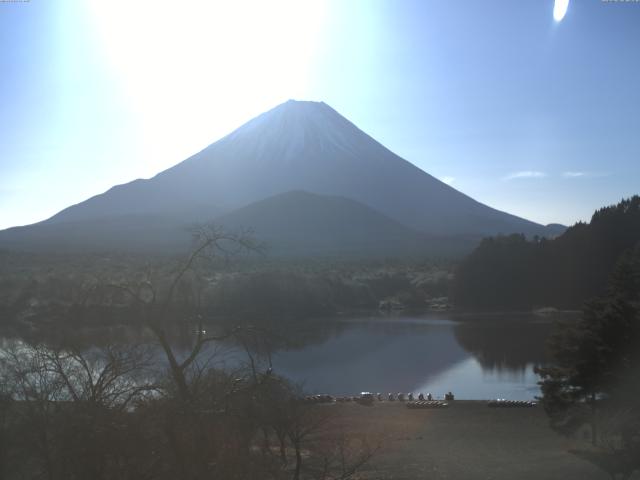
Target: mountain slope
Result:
[302, 223]
[295, 146]
[126, 233]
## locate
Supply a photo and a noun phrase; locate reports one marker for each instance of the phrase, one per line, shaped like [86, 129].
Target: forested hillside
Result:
[513, 272]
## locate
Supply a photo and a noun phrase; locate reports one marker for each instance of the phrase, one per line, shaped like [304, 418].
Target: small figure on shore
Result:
[411, 397]
[449, 397]
[421, 397]
[429, 397]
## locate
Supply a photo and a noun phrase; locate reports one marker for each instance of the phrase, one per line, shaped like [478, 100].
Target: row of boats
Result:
[502, 403]
[421, 401]
[498, 403]
[427, 404]
[367, 398]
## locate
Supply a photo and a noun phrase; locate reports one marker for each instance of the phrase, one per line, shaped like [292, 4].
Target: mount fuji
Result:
[301, 157]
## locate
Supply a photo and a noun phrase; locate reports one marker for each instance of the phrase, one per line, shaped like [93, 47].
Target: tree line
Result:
[516, 272]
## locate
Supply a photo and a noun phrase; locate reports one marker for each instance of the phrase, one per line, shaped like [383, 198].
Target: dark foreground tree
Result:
[595, 378]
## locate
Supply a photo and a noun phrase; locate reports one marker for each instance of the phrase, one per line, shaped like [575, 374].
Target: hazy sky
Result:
[528, 115]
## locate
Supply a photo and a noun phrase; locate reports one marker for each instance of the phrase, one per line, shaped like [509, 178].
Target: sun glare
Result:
[186, 66]
[560, 9]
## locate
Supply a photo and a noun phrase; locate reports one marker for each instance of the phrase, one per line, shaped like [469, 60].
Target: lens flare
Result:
[560, 9]
[211, 62]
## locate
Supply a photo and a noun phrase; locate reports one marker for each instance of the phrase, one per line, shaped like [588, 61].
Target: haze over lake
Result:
[475, 355]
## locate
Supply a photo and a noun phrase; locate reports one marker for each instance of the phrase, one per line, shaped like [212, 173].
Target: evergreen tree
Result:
[594, 379]
[513, 272]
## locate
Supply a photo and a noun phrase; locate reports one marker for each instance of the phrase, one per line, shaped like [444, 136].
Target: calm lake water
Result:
[491, 357]
[476, 356]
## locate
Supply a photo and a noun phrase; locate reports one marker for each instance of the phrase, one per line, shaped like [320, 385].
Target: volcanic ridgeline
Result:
[302, 176]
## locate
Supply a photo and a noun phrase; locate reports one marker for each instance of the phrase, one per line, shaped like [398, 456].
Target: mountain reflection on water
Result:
[475, 356]
[491, 358]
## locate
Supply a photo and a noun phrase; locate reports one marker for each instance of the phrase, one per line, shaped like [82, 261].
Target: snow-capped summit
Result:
[301, 146]
[307, 125]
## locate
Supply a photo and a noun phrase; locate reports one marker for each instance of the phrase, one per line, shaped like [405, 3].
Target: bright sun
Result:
[560, 9]
[185, 65]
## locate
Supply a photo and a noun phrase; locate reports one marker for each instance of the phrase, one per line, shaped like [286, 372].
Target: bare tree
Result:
[211, 243]
[70, 405]
[106, 414]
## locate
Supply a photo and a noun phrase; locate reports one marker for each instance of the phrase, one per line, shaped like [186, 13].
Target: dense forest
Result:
[516, 272]
[43, 292]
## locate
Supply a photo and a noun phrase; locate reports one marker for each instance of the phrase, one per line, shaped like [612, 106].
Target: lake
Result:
[475, 356]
